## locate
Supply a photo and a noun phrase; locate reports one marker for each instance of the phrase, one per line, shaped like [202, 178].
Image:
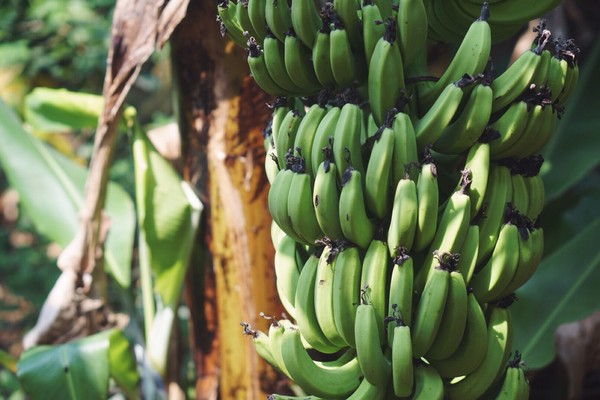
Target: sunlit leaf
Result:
[564, 289]
[50, 188]
[122, 364]
[75, 370]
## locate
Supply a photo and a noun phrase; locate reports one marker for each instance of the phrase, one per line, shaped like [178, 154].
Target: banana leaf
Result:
[79, 369]
[169, 215]
[50, 188]
[564, 289]
[60, 110]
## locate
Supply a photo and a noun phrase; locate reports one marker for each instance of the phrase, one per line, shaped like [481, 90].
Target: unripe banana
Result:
[326, 201]
[468, 254]
[372, 27]
[307, 130]
[403, 222]
[452, 325]
[478, 164]
[324, 138]
[305, 20]
[230, 25]
[301, 211]
[321, 58]
[401, 290]
[346, 292]
[346, 139]
[278, 18]
[472, 348]
[374, 365]
[428, 383]
[278, 202]
[374, 282]
[428, 200]
[378, 173]
[412, 36]
[405, 148]
[429, 311]
[346, 67]
[286, 273]
[304, 303]
[515, 385]
[499, 342]
[355, 223]
[285, 136]
[402, 361]
[338, 382]
[298, 63]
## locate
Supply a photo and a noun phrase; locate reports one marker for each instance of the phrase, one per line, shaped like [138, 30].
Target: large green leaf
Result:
[75, 370]
[574, 149]
[50, 187]
[79, 369]
[564, 289]
[168, 214]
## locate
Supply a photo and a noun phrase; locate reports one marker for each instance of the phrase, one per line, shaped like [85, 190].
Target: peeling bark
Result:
[222, 114]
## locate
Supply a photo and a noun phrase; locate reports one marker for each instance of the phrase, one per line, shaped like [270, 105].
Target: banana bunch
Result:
[404, 209]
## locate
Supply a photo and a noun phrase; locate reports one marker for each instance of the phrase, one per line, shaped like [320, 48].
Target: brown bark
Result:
[222, 114]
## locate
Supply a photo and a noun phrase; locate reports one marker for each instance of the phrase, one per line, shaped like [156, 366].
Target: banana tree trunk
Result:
[221, 115]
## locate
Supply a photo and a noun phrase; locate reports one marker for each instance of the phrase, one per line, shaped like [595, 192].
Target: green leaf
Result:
[50, 188]
[168, 215]
[574, 149]
[7, 361]
[75, 370]
[564, 289]
[122, 364]
[60, 110]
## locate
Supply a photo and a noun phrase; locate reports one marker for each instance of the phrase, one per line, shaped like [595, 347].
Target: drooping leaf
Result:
[574, 149]
[75, 370]
[50, 188]
[564, 289]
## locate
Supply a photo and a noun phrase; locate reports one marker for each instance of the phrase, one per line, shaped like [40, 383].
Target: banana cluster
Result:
[404, 208]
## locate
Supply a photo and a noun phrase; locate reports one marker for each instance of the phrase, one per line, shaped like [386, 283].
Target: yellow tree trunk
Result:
[222, 114]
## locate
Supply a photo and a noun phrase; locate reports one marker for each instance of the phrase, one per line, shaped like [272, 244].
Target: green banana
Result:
[307, 130]
[532, 141]
[271, 165]
[403, 222]
[258, 69]
[286, 273]
[355, 223]
[374, 365]
[472, 348]
[277, 200]
[346, 67]
[323, 137]
[468, 254]
[324, 293]
[514, 385]
[338, 382]
[429, 311]
[372, 27]
[427, 200]
[454, 319]
[510, 125]
[229, 24]
[306, 21]
[256, 14]
[491, 280]
[429, 128]
[346, 292]
[471, 58]
[402, 361]
[298, 63]
[285, 136]
[428, 383]
[275, 62]
[304, 303]
[347, 12]
[377, 175]
[401, 290]
[276, 330]
[531, 251]
[385, 76]
[512, 82]
[405, 148]
[557, 74]
[412, 36]
[320, 56]
[326, 200]
[301, 211]
[374, 282]
[478, 164]
[463, 133]
[499, 342]
[520, 195]
[278, 18]
[243, 16]
[451, 233]
[346, 139]
[261, 343]
[498, 193]
[536, 191]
